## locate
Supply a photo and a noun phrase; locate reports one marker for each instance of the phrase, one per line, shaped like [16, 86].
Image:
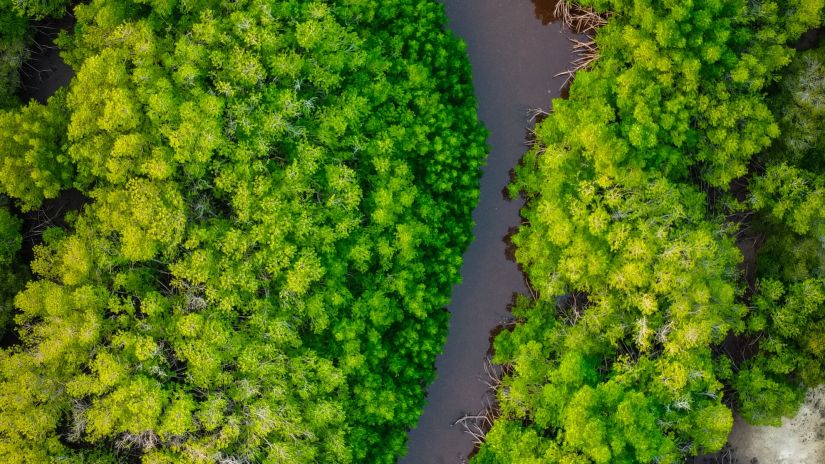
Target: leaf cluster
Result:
[281, 193]
[637, 275]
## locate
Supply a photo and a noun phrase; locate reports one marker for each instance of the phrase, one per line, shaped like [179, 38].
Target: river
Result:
[45, 72]
[514, 58]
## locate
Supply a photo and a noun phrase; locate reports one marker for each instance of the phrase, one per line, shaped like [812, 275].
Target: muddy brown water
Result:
[514, 57]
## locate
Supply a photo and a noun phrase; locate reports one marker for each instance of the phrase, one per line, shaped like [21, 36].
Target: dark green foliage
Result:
[788, 319]
[637, 279]
[39, 9]
[281, 196]
[12, 276]
[801, 109]
[15, 40]
[13, 52]
[10, 238]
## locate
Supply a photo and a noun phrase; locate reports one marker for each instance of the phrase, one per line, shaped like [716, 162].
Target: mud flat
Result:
[800, 440]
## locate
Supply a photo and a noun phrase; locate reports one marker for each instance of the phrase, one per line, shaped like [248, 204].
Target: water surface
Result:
[45, 72]
[514, 57]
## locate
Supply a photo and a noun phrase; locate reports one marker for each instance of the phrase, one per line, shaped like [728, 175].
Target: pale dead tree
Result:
[570, 309]
[233, 460]
[685, 448]
[201, 207]
[198, 455]
[663, 332]
[530, 289]
[665, 424]
[39, 48]
[40, 73]
[533, 141]
[195, 303]
[562, 12]
[79, 420]
[194, 295]
[145, 441]
[586, 20]
[726, 456]
[477, 425]
[682, 404]
[43, 222]
[587, 52]
[534, 113]
[492, 374]
[508, 324]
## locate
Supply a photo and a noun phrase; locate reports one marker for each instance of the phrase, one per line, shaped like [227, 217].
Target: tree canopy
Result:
[280, 195]
[631, 242]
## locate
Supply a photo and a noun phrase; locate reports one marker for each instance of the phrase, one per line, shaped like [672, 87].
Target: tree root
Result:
[478, 424]
[587, 52]
[581, 20]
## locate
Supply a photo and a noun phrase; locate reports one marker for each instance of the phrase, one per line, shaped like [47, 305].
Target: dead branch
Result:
[587, 52]
[492, 374]
[144, 441]
[579, 19]
[477, 425]
[533, 113]
[44, 221]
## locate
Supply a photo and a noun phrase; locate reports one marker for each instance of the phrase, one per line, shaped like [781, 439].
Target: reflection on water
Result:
[546, 10]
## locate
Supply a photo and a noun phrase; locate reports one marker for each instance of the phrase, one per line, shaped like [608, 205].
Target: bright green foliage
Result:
[682, 84]
[281, 193]
[33, 165]
[39, 9]
[637, 281]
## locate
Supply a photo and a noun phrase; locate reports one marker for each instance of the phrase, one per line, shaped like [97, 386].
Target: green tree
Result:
[281, 193]
[635, 271]
[13, 53]
[34, 165]
[11, 272]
